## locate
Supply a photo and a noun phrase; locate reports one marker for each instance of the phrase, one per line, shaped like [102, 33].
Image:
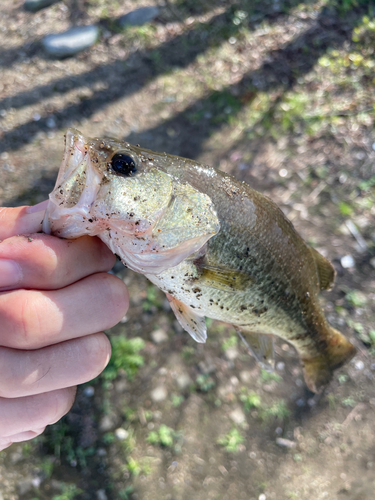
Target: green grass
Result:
[125, 357]
[165, 436]
[231, 441]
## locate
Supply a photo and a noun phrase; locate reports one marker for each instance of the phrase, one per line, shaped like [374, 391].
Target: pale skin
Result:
[55, 298]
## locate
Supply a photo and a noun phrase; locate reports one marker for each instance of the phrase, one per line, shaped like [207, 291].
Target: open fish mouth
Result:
[76, 189]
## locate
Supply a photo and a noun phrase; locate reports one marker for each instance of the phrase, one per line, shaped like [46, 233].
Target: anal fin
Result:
[261, 348]
[190, 321]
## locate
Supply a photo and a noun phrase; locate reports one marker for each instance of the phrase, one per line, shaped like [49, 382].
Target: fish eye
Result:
[123, 164]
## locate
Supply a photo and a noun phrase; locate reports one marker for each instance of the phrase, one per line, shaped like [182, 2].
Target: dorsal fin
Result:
[325, 269]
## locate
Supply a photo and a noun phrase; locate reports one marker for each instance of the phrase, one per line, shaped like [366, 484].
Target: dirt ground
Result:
[279, 93]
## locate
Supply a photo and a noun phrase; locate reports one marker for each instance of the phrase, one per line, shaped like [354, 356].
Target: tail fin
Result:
[318, 371]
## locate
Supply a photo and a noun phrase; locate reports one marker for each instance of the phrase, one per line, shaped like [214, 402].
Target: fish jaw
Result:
[76, 189]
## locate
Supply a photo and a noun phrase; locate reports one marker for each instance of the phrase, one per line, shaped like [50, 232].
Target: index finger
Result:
[21, 220]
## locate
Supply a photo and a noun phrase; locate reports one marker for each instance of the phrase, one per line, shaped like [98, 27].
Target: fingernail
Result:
[40, 207]
[10, 273]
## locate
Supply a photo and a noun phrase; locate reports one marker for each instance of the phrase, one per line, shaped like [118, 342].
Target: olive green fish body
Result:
[217, 247]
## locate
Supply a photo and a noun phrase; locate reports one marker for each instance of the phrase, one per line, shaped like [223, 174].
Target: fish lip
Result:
[58, 216]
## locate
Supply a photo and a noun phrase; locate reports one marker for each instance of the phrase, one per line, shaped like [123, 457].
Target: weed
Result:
[278, 410]
[232, 341]
[153, 300]
[250, 400]
[126, 493]
[231, 441]
[124, 357]
[164, 436]
[349, 401]
[177, 400]
[266, 376]
[69, 492]
[204, 382]
[356, 298]
[332, 401]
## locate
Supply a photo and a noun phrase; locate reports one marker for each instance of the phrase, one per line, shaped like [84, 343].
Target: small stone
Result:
[372, 262]
[159, 336]
[121, 434]
[280, 366]
[89, 391]
[183, 381]
[347, 261]
[246, 376]
[70, 42]
[138, 17]
[238, 416]
[159, 394]
[359, 365]
[262, 497]
[231, 353]
[285, 443]
[35, 5]
[107, 423]
[101, 495]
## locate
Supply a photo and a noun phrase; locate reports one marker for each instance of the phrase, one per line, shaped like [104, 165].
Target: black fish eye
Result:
[123, 164]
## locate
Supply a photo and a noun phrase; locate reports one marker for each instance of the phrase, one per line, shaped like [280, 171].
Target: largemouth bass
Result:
[214, 245]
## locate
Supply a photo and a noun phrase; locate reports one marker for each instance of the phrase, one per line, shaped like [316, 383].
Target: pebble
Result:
[121, 434]
[101, 495]
[89, 391]
[70, 42]
[262, 497]
[159, 394]
[372, 262]
[347, 261]
[35, 5]
[183, 381]
[238, 416]
[285, 443]
[107, 423]
[280, 366]
[138, 17]
[359, 365]
[159, 336]
[231, 353]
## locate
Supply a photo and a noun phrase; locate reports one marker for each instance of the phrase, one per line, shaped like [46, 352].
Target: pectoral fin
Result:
[189, 320]
[261, 347]
[222, 278]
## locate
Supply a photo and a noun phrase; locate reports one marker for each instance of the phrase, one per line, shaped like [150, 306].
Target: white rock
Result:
[159, 394]
[159, 336]
[121, 434]
[238, 416]
[286, 443]
[347, 261]
[107, 423]
[183, 381]
[231, 353]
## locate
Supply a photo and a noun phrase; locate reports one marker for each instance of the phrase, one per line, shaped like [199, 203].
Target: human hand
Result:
[55, 295]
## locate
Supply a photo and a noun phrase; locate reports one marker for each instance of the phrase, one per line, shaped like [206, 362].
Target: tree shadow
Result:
[124, 77]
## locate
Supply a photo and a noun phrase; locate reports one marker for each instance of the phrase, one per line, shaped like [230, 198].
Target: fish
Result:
[216, 247]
